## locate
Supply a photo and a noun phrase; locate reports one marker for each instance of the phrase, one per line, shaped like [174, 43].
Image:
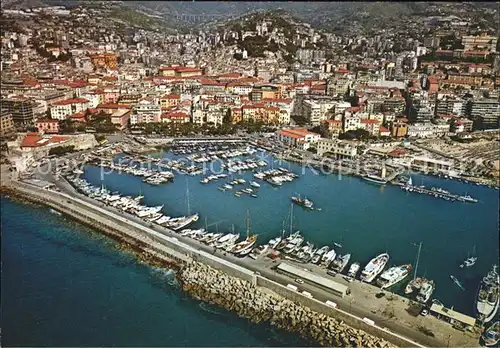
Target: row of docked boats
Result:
[132, 205]
[209, 156]
[437, 193]
[243, 165]
[276, 177]
[226, 242]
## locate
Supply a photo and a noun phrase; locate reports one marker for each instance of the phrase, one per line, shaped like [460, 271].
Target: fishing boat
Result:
[374, 267]
[487, 301]
[393, 276]
[456, 281]
[470, 260]
[426, 290]
[303, 202]
[285, 241]
[414, 284]
[339, 263]
[491, 336]
[274, 242]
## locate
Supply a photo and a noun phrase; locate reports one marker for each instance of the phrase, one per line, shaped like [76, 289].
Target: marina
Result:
[272, 193]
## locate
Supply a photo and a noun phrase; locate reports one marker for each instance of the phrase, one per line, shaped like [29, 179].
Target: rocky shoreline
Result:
[216, 287]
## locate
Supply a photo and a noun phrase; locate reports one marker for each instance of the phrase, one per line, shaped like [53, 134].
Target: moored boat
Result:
[426, 290]
[353, 270]
[393, 276]
[374, 267]
[491, 336]
[487, 301]
[340, 262]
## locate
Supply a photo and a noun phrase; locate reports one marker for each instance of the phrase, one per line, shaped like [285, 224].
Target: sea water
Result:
[365, 218]
[66, 285]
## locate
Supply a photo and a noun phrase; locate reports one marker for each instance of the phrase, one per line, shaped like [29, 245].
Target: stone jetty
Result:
[258, 305]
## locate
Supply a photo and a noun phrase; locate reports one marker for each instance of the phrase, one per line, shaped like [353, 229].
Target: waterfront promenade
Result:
[361, 303]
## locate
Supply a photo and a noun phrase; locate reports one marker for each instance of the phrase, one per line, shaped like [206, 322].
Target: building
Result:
[482, 42]
[170, 100]
[264, 92]
[61, 110]
[371, 126]
[175, 117]
[121, 118]
[399, 129]
[21, 110]
[6, 124]
[145, 112]
[180, 71]
[336, 148]
[485, 113]
[47, 125]
[428, 130]
[298, 137]
[334, 127]
[104, 60]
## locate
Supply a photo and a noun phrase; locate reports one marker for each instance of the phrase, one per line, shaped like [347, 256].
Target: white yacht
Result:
[374, 267]
[393, 275]
[487, 302]
[340, 262]
[328, 257]
[353, 270]
[426, 290]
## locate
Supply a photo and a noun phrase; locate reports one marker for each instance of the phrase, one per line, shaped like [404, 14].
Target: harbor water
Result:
[66, 285]
[365, 218]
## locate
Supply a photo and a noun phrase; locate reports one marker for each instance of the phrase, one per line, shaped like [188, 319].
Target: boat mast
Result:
[418, 259]
[187, 197]
[248, 223]
[291, 218]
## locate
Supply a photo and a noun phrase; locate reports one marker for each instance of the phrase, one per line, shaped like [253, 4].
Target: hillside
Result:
[283, 34]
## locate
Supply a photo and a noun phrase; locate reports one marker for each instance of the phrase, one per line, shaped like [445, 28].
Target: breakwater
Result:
[170, 249]
[258, 305]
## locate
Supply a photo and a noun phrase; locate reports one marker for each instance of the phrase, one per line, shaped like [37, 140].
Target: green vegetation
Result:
[140, 20]
[359, 134]
[61, 150]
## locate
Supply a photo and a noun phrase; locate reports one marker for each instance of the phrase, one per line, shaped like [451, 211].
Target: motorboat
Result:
[374, 267]
[353, 270]
[393, 276]
[426, 291]
[319, 254]
[491, 336]
[487, 300]
[340, 262]
[328, 257]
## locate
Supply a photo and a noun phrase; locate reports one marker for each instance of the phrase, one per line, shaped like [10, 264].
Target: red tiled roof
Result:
[369, 121]
[113, 106]
[171, 96]
[31, 140]
[296, 133]
[46, 120]
[71, 101]
[384, 130]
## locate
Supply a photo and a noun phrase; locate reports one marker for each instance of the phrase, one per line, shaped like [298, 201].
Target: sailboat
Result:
[284, 241]
[470, 261]
[245, 247]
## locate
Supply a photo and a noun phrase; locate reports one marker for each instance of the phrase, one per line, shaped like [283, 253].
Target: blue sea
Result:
[66, 285]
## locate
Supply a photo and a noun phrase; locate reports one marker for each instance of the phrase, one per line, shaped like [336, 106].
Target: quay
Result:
[360, 310]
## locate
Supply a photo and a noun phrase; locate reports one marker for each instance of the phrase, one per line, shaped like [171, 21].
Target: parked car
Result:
[300, 281]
